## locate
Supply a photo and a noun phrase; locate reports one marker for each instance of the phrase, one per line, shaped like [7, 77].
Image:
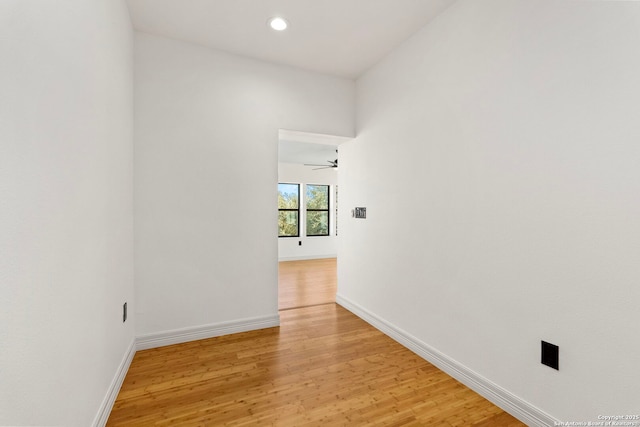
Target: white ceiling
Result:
[305, 152]
[339, 37]
[304, 147]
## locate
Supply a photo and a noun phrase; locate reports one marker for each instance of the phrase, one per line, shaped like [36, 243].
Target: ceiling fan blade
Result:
[307, 164]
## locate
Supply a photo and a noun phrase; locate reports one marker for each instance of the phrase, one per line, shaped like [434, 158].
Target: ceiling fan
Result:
[332, 164]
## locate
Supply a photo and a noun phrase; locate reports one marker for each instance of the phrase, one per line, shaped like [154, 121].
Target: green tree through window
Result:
[317, 210]
[288, 210]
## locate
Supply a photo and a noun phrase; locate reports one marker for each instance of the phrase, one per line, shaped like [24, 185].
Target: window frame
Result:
[327, 210]
[290, 210]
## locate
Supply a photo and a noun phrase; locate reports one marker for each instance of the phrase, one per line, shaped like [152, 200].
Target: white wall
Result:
[315, 246]
[497, 154]
[206, 178]
[66, 185]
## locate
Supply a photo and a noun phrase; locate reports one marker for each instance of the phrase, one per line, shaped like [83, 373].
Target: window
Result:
[317, 210]
[288, 210]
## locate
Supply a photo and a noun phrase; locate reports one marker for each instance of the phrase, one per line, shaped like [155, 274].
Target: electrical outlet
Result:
[124, 312]
[550, 355]
[299, 242]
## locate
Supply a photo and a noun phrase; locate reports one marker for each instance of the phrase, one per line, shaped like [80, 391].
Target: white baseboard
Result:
[307, 257]
[512, 404]
[114, 388]
[177, 336]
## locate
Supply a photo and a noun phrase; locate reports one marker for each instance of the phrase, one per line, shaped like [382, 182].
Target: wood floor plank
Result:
[322, 366]
[306, 283]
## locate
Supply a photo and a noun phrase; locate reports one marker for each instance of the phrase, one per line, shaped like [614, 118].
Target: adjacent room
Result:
[307, 218]
[167, 256]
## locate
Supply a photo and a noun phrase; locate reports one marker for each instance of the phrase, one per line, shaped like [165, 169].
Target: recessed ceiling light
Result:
[278, 24]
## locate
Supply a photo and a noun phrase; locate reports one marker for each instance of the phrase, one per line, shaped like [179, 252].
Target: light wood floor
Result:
[322, 367]
[306, 283]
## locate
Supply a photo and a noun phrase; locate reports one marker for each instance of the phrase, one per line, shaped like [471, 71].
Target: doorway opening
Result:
[307, 218]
